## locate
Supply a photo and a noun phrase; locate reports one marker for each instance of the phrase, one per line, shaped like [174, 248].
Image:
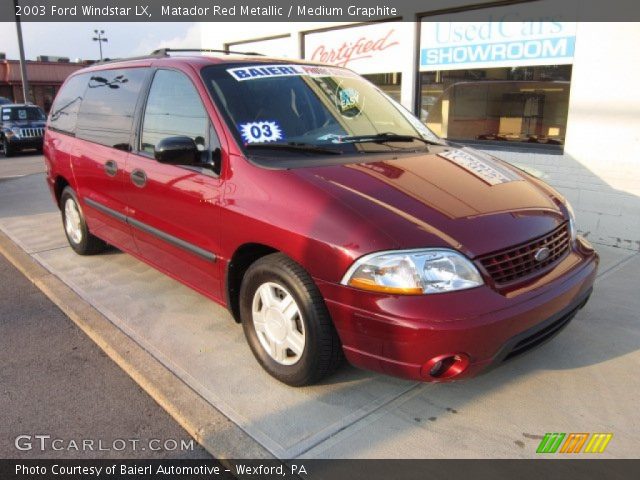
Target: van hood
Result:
[450, 197]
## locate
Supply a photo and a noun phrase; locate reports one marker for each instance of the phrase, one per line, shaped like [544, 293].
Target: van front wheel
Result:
[286, 322]
[75, 226]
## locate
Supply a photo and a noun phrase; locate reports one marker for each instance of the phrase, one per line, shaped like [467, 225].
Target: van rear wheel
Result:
[75, 227]
[286, 322]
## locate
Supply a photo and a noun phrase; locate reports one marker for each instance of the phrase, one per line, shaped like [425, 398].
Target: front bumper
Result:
[398, 335]
[26, 143]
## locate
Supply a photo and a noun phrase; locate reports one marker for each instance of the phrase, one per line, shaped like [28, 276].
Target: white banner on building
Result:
[464, 45]
[272, 47]
[375, 48]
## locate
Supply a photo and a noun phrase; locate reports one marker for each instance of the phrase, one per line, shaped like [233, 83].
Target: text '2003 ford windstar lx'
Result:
[326, 217]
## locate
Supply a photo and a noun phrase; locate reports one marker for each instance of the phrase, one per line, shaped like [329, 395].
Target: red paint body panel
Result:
[327, 217]
[397, 335]
[91, 182]
[185, 204]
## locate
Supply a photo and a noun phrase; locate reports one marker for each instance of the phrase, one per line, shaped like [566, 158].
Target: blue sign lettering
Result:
[543, 48]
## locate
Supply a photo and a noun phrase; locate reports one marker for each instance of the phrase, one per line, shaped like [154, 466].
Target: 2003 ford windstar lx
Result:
[327, 218]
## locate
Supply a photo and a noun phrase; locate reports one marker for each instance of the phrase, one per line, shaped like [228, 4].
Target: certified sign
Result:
[375, 48]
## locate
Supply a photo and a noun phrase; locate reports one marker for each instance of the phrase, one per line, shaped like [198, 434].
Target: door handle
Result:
[111, 168]
[139, 178]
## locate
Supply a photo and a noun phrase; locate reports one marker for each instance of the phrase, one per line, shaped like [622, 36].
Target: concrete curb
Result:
[207, 425]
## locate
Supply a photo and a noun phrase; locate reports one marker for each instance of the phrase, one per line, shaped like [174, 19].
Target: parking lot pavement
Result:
[24, 163]
[579, 382]
[55, 381]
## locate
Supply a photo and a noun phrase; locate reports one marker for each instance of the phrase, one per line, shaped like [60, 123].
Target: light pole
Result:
[99, 38]
[23, 62]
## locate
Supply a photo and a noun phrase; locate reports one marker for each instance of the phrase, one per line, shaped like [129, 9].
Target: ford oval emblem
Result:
[542, 254]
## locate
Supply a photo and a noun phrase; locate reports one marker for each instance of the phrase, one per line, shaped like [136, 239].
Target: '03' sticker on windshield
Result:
[260, 132]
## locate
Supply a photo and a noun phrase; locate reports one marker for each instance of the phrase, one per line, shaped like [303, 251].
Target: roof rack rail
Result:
[154, 54]
[165, 51]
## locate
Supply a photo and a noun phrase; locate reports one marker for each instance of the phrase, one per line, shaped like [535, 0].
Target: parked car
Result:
[21, 127]
[324, 215]
[5, 100]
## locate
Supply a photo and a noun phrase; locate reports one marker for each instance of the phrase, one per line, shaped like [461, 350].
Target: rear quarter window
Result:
[108, 107]
[64, 111]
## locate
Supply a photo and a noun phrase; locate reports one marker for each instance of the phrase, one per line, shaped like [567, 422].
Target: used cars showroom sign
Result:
[455, 45]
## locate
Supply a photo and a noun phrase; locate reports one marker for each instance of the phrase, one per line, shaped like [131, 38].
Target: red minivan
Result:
[325, 216]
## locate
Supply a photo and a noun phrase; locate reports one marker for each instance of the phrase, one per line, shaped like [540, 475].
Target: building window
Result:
[502, 81]
[389, 83]
[509, 104]
[49, 93]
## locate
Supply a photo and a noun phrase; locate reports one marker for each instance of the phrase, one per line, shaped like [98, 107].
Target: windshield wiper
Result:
[294, 147]
[385, 137]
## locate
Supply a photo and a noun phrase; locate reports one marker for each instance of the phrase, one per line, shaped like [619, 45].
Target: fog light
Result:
[435, 370]
[445, 367]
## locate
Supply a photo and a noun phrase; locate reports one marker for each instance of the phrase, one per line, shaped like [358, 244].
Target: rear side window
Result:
[109, 104]
[64, 111]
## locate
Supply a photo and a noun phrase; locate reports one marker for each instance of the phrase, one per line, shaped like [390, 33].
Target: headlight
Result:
[413, 272]
[16, 132]
[572, 221]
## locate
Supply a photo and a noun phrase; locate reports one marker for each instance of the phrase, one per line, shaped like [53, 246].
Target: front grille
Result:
[519, 262]
[31, 132]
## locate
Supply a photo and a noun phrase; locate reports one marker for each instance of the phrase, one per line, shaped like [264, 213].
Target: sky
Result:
[73, 40]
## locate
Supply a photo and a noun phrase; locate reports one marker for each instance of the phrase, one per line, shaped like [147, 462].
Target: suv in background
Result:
[21, 127]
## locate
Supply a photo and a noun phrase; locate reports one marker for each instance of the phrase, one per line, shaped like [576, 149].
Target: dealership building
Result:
[543, 95]
[45, 75]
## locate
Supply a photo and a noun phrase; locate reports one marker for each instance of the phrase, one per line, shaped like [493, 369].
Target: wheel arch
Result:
[59, 185]
[244, 256]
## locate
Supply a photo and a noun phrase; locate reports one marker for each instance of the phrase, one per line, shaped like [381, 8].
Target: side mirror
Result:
[177, 151]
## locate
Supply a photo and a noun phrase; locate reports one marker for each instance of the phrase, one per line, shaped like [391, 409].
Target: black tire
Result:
[9, 151]
[88, 244]
[322, 353]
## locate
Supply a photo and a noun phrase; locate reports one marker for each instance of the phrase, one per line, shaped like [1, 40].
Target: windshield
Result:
[22, 113]
[321, 108]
